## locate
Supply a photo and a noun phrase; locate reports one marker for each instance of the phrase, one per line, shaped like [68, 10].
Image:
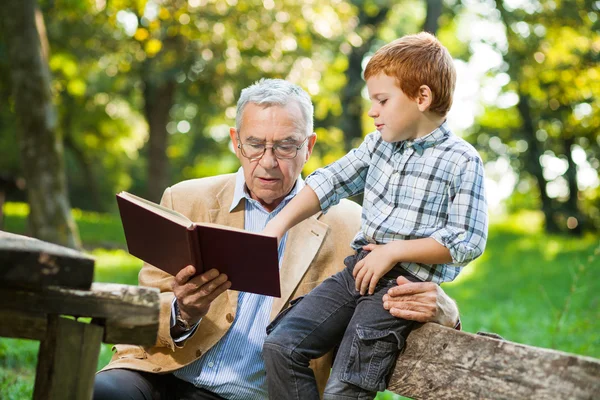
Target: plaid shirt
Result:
[431, 187]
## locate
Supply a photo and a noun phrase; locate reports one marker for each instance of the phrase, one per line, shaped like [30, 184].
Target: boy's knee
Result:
[105, 387]
[275, 346]
[119, 384]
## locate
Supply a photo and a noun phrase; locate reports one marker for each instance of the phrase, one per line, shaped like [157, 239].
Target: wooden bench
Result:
[442, 363]
[44, 290]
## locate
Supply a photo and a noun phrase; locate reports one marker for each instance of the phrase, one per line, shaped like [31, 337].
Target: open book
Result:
[168, 240]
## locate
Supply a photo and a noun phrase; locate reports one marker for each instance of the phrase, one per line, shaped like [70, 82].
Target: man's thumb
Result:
[402, 280]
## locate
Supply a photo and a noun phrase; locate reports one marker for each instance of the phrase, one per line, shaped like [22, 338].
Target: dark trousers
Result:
[125, 384]
[333, 314]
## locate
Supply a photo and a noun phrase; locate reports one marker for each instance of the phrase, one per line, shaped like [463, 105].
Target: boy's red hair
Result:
[416, 60]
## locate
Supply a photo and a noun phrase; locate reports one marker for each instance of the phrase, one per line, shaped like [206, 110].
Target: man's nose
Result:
[268, 160]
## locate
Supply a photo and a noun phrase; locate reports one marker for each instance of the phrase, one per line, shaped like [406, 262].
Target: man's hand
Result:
[422, 302]
[195, 293]
[368, 271]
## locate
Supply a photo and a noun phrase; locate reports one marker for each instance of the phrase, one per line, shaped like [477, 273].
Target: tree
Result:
[41, 148]
[552, 63]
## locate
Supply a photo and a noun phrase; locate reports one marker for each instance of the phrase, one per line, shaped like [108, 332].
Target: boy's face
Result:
[396, 116]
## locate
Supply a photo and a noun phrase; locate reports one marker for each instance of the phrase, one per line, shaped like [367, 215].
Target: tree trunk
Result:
[40, 145]
[533, 162]
[432, 16]
[352, 102]
[572, 206]
[78, 153]
[158, 96]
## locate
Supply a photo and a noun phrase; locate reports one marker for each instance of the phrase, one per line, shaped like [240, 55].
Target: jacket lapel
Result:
[303, 243]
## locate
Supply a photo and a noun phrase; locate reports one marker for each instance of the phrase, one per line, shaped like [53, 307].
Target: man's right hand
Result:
[194, 294]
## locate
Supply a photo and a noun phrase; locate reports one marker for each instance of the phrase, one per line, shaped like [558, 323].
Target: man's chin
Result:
[266, 195]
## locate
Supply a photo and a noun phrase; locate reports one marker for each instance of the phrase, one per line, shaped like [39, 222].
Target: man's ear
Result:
[234, 138]
[312, 139]
[424, 98]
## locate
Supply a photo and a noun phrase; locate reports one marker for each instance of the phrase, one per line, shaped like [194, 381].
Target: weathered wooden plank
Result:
[144, 335]
[67, 360]
[33, 264]
[22, 326]
[131, 305]
[128, 313]
[442, 363]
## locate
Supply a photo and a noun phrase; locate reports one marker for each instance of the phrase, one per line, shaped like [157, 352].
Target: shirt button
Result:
[229, 318]
[211, 364]
[198, 353]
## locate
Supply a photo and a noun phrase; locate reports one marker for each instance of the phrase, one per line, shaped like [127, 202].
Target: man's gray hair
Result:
[277, 92]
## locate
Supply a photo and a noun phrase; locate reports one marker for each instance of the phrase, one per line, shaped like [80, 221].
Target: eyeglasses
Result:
[282, 151]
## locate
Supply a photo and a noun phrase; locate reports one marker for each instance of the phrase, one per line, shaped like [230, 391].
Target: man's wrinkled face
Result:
[269, 179]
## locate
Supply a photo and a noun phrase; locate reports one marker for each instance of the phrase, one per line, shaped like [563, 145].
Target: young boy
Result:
[424, 217]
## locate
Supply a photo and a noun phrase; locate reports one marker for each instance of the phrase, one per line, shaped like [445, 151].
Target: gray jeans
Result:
[335, 314]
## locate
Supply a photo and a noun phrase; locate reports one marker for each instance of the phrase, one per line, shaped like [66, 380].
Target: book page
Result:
[158, 209]
[229, 228]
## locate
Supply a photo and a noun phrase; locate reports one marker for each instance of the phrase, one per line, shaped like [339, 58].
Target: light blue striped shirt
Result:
[234, 368]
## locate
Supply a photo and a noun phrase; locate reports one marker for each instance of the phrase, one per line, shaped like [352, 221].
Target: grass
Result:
[528, 287]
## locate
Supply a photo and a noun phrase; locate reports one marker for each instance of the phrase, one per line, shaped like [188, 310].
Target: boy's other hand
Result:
[194, 294]
[368, 271]
[422, 302]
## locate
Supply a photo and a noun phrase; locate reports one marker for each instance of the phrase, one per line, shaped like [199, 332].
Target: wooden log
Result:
[442, 363]
[22, 326]
[129, 314]
[67, 360]
[33, 327]
[33, 264]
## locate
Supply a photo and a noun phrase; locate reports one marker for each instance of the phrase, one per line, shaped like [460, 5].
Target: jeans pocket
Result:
[372, 356]
[282, 314]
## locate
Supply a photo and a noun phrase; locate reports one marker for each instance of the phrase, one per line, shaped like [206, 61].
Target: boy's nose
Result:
[372, 113]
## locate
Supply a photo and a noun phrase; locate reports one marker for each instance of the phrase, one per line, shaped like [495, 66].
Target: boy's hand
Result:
[370, 269]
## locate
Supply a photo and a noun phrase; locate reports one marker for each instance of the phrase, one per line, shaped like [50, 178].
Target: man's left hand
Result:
[422, 302]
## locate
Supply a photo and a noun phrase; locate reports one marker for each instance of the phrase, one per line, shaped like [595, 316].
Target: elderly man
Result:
[210, 338]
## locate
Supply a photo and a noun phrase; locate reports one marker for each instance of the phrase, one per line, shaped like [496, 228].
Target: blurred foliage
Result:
[106, 56]
[545, 120]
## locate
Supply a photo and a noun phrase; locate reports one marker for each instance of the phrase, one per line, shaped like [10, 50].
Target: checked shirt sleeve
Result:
[465, 233]
[344, 177]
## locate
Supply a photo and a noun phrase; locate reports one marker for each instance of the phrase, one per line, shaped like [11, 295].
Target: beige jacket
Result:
[315, 250]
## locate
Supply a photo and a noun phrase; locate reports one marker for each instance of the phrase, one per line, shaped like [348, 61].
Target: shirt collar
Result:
[241, 191]
[440, 134]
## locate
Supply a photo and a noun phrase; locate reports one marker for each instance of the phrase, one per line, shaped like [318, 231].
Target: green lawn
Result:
[528, 287]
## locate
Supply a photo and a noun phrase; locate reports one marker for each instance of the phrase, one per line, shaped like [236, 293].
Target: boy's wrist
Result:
[397, 251]
[272, 229]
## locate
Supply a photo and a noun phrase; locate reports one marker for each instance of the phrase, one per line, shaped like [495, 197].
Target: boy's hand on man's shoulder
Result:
[373, 267]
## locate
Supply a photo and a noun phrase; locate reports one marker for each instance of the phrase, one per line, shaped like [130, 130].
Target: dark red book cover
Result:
[170, 241]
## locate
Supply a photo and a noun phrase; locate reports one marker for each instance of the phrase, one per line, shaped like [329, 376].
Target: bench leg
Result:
[67, 360]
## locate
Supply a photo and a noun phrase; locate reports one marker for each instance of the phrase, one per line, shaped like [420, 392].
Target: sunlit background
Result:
[144, 93]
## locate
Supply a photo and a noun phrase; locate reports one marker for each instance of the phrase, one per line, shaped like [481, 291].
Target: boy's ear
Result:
[424, 98]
